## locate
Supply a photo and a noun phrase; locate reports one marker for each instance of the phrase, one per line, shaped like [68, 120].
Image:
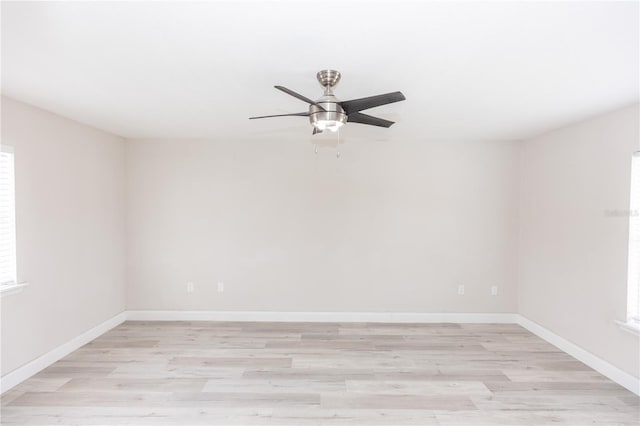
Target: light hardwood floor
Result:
[183, 373]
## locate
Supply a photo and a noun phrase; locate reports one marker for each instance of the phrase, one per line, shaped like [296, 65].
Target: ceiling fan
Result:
[329, 113]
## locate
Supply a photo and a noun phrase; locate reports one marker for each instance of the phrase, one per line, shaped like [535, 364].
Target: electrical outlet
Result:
[494, 290]
[220, 286]
[189, 287]
[460, 290]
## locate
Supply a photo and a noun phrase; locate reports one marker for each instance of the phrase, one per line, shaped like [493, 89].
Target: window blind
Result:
[7, 217]
[633, 294]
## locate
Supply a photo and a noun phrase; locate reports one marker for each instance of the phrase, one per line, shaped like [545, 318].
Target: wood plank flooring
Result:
[205, 373]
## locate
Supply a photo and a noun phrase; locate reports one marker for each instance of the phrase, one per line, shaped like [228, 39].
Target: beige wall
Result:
[390, 226]
[70, 231]
[573, 252]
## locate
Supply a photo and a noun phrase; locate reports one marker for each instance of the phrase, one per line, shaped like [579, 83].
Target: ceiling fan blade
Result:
[298, 95]
[358, 117]
[356, 105]
[297, 114]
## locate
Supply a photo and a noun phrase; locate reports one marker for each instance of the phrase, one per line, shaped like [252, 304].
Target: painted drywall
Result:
[390, 226]
[70, 231]
[176, 69]
[574, 233]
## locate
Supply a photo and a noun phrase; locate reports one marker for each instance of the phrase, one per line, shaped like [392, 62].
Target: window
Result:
[7, 218]
[633, 292]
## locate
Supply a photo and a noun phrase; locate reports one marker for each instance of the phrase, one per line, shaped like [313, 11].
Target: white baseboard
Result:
[388, 317]
[21, 374]
[601, 366]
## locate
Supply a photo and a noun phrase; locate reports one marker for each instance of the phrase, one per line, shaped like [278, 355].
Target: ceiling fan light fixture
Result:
[331, 125]
[327, 114]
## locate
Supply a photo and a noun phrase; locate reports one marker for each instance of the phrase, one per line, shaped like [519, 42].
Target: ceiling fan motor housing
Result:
[327, 113]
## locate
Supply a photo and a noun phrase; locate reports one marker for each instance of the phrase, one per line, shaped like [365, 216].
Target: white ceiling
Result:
[469, 70]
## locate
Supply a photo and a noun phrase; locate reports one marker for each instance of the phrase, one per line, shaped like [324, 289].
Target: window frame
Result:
[632, 314]
[13, 286]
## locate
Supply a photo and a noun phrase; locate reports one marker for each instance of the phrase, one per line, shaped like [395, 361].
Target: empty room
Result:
[353, 212]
